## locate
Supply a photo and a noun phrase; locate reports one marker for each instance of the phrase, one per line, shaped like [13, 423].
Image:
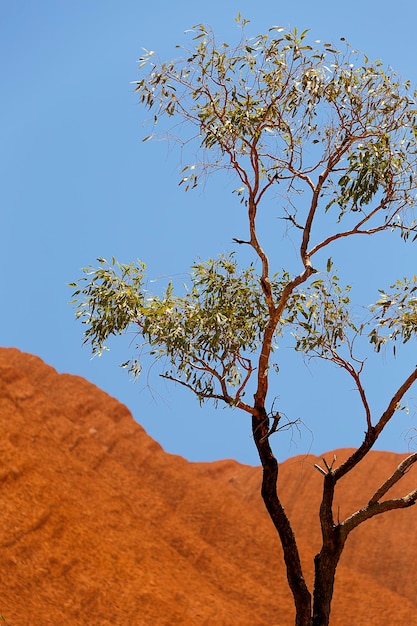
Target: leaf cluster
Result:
[212, 327]
[278, 109]
[321, 317]
[396, 314]
[107, 299]
[206, 335]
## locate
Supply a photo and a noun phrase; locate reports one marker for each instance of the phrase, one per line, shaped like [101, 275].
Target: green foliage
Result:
[205, 334]
[371, 168]
[275, 110]
[208, 335]
[321, 318]
[278, 109]
[314, 120]
[395, 314]
[108, 299]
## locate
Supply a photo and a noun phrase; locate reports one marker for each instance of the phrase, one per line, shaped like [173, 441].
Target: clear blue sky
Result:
[78, 183]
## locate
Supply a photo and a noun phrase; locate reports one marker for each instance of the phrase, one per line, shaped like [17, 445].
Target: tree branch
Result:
[403, 467]
[350, 369]
[376, 508]
[302, 596]
[332, 161]
[395, 401]
[263, 362]
[249, 370]
[372, 434]
[356, 230]
[229, 400]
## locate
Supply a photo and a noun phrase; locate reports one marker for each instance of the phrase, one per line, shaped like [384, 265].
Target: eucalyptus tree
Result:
[335, 135]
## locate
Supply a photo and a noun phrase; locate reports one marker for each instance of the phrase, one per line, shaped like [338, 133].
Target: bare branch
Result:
[201, 394]
[291, 218]
[229, 400]
[329, 467]
[377, 508]
[372, 434]
[394, 403]
[357, 230]
[249, 370]
[320, 469]
[403, 467]
[240, 241]
[352, 371]
[333, 160]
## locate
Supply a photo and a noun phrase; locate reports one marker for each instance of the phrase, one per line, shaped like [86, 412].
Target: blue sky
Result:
[78, 183]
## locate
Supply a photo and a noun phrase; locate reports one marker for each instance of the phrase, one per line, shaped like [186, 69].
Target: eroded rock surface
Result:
[101, 527]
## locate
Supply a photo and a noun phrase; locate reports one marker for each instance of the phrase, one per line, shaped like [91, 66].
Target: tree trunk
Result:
[325, 564]
[301, 594]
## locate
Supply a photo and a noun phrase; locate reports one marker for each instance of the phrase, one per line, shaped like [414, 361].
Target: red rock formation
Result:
[99, 526]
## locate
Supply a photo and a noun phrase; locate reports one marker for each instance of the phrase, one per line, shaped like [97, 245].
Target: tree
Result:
[335, 136]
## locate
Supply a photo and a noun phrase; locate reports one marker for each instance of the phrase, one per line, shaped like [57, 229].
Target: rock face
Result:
[99, 526]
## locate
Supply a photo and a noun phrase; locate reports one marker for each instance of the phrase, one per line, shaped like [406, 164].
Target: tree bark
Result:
[325, 564]
[300, 592]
